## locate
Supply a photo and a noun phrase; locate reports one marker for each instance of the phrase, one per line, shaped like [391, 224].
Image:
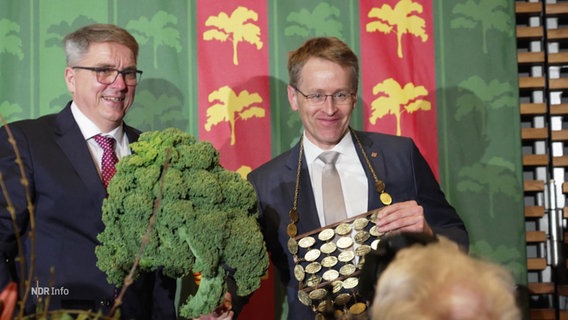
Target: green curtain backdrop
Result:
[479, 125]
[474, 97]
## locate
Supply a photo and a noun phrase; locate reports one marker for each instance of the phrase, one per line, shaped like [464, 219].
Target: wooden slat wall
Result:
[537, 108]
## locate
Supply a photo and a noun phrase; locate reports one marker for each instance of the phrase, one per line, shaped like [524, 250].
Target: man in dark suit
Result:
[62, 163]
[376, 171]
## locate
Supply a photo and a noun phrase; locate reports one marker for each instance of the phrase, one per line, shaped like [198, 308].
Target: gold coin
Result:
[374, 231]
[317, 294]
[347, 269]
[363, 250]
[330, 275]
[328, 247]
[338, 314]
[362, 236]
[326, 234]
[358, 308]
[304, 298]
[350, 283]
[386, 199]
[325, 306]
[313, 281]
[306, 242]
[342, 299]
[361, 263]
[336, 286]
[319, 316]
[375, 244]
[292, 246]
[373, 216]
[312, 255]
[299, 273]
[329, 261]
[380, 186]
[313, 267]
[360, 223]
[293, 215]
[344, 242]
[292, 230]
[346, 256]
[343, 229]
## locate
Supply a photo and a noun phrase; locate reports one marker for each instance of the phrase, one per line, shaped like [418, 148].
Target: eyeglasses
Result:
[109, 75]
[315, 99]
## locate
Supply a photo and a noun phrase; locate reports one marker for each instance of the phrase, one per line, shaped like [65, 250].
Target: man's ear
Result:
[70, 79]
[292, 98]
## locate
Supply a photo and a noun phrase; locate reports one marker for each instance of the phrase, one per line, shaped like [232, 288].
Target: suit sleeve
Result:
[12, 198]
[163, 297]
[439, 213]
[150, 296]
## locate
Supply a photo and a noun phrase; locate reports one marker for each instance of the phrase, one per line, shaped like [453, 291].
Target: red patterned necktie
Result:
[109, 159]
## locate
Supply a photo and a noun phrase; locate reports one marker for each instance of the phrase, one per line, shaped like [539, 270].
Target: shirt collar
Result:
[311, 151]
[89, 129]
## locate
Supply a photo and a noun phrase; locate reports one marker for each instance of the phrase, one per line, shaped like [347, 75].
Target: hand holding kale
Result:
[206, 220]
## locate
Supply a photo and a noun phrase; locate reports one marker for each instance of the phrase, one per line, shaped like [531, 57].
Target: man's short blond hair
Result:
[327, 48]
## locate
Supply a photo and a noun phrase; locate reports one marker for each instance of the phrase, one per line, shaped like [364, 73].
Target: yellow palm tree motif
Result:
[396, 100]
[235, 28]
[401, 19]
[244, 170]
[229, 106]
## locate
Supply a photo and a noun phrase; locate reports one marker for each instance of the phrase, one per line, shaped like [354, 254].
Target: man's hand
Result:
[222, 312]
[403, 216]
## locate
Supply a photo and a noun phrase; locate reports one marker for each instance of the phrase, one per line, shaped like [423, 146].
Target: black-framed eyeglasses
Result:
[108, 75]
[341, 97]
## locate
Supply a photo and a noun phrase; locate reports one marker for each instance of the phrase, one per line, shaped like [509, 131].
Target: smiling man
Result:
[68, 169]
[371, 172]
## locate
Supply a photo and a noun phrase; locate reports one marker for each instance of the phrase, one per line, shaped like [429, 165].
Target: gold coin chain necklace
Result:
[339, 289]
[385, 198]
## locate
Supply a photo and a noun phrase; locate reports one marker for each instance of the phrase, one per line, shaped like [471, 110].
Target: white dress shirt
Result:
[354, 183]
[90, 130]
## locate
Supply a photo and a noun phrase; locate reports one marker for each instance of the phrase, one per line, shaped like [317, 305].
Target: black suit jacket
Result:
[67, 193]
[398, 163]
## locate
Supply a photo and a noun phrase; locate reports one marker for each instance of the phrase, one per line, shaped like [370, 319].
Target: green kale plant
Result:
[205, 219]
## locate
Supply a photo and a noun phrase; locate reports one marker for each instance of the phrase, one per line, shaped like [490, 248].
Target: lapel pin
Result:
[373, 154]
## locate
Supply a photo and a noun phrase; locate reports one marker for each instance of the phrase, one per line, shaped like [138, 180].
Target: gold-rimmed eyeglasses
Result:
[341, 97]
[108, 75]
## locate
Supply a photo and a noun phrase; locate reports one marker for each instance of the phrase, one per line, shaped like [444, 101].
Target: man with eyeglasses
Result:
[373, 171]
[63, 163]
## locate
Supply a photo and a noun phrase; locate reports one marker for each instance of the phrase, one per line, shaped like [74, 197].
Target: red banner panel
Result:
[233, 83]
[399, 79]
[234, 98]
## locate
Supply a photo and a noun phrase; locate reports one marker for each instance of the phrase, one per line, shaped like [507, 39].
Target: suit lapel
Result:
[72, 143]
[306, 203]
[131, 133]
[375, 156]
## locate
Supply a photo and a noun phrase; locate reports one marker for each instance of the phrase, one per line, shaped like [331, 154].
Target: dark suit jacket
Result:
[67, 193]
[398, 164]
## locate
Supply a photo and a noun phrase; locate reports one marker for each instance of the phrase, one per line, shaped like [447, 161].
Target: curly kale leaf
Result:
[205, 220]
[246, 254]
[210, 293]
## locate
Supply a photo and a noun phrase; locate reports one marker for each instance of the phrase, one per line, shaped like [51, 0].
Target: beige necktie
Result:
[333, 203]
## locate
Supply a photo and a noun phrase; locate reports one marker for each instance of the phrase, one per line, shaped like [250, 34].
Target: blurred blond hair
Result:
[439, 281]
